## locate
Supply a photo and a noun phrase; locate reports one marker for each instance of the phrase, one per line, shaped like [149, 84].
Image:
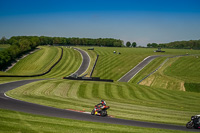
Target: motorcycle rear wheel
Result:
[103, 113]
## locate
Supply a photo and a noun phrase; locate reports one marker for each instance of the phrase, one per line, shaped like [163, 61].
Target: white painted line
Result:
[134, 68]
[11, 97]
[82, 61]
[140, 69]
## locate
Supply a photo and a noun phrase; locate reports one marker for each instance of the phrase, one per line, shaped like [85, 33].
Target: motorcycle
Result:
[100, 111]
[194, 123]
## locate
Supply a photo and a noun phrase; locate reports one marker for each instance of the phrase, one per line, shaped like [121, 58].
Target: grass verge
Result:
[12, 122]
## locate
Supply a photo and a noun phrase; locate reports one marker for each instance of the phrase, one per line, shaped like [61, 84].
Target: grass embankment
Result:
[13, 122]
[37, 63]
[127, 101]
[114, 66]
[69, 63]
[180, 73]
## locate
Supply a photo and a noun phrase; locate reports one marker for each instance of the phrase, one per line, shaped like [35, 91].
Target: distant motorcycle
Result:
[100, 111]
[194, 123]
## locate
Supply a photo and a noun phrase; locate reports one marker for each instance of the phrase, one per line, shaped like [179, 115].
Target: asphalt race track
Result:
[85, 63]
[22, 106]
[137, 68]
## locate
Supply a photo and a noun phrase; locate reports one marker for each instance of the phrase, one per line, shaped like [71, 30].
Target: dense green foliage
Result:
[43, 40]
[128, 44]
[134, 44]
[108, 42]
[17, 122]
[3, 46]
[192, 44]
[3, 40]
[19, 45]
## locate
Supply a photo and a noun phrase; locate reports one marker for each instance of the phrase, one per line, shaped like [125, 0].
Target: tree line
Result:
[23, 44]
[192, 44]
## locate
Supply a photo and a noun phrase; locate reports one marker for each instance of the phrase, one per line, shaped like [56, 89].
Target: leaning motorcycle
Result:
[194, 123]
[100, 111]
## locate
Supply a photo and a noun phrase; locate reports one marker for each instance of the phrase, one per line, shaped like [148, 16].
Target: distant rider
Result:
[101, 105]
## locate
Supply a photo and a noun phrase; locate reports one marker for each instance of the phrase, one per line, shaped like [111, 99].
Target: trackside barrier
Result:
[37, 74]
[89, 79]
[94, 66]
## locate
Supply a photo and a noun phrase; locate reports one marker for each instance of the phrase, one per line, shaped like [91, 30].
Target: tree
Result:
[3, 40]
[149, 45]
[128, 44]
[134, 44]
[153, 45]
[117, 44]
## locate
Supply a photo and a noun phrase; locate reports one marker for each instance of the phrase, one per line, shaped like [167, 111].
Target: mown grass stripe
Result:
[95, 90]
[72, 93]
[82, 91]
[108, 91]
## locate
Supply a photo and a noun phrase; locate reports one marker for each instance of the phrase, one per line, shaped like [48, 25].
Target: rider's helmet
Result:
[103, 102]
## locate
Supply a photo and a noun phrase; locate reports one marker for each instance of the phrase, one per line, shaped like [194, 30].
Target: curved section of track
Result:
[85, 63]
[22, 106]
[128, 76]
[17, 105]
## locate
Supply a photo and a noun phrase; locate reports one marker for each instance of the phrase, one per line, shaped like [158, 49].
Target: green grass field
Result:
[127, 101]
[17, 122]
[114, 66]
[69, 64]
[37, 63]
[175, 73]
[159, 100]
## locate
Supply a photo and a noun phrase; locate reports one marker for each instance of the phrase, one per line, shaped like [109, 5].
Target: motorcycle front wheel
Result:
[189, 125]
[93, 111]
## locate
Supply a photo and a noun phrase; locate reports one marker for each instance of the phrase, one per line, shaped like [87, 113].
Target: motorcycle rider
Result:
[101, 105]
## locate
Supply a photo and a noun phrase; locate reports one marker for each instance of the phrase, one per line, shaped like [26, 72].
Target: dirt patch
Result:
[182, 87]
[148, 81]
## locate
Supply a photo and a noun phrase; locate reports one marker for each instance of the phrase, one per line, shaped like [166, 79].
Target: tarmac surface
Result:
[85, 62]
[128, 76]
